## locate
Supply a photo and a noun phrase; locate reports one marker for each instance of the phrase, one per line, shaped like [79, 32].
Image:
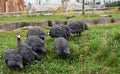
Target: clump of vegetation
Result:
[96, 51]
[113, 4]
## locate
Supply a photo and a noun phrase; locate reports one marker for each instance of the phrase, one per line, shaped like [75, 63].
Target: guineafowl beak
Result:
[21, 66]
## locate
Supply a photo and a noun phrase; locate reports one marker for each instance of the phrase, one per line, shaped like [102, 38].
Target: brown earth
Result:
[12, 5]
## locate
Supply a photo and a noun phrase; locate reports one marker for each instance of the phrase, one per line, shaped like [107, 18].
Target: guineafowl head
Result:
[14, 64]
[18, 36]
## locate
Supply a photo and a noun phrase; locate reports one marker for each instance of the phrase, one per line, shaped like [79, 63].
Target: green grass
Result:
[31, 18]
[96, 51]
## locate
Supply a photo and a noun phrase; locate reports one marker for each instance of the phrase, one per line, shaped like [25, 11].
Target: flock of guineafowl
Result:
[34, 43]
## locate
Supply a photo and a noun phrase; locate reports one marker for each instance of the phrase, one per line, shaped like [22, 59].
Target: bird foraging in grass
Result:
[13, 59]
[26, 51]
[61, 46]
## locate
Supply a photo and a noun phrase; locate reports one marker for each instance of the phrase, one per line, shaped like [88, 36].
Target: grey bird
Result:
[60, 31]
[57, 31]
[61, 46]
[13, 59]
[77, 27]
[36, 43]
[26, 51]
[36, 32]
